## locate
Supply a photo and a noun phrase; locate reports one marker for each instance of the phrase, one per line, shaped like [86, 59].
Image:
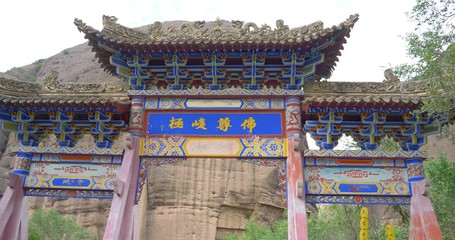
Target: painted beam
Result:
[227, 92]
[214, 104]
[214, 147]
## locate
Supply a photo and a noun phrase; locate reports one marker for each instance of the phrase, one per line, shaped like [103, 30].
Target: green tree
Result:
[335, 222]
[256, 231]
[432, 46]
[441, 174]
[330, 222]
[50, 225]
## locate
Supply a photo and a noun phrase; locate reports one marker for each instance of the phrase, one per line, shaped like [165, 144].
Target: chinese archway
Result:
[224, 89]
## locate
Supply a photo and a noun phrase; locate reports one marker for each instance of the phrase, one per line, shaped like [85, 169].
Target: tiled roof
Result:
[218, 32]
[52, 94]
[219, 36]
[379, 92]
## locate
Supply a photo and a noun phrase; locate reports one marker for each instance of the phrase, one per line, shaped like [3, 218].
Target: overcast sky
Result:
[32, 30]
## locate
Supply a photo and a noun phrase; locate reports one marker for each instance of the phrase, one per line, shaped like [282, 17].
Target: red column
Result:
[297, 229]
[136, 123]
[122, 215]
[424, 224]
[13, 210]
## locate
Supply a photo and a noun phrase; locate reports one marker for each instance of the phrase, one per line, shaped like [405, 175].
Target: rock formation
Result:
[6, 158]
[202, 198]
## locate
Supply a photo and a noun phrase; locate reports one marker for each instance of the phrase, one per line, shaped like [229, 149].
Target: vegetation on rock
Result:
[328, 223]
[50, 225]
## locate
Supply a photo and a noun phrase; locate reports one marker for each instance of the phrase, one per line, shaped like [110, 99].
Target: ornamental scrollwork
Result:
[235, 30]
[366, 87]
[391, 84]
[217, 31]
[415, 86]
[20, 87]
[51, 84]
[110, 25]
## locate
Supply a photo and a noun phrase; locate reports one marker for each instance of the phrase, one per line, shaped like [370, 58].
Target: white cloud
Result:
[32, 30]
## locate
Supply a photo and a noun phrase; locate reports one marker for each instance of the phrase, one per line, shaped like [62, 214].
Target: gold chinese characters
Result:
[224, 124]
[199, 124]
[176, 123]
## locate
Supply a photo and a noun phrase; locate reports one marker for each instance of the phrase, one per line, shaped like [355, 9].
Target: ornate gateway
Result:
[214, 89]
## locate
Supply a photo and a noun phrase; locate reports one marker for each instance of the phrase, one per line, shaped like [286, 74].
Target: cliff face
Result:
[440, 144]
[6, 158]
[202, 198]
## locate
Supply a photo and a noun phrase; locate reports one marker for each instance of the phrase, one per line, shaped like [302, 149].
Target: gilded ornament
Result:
[13, 87]
[218, 31]
[51, 84]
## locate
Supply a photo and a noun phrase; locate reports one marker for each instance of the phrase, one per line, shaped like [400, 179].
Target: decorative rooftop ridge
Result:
[121, 50]
[390, 90]
[9, 87]
[220, 31]
[51, 85]
[55, 95]
[367, 88]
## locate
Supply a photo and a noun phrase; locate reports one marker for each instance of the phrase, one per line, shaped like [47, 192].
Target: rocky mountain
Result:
[74, 65]
[440, 143]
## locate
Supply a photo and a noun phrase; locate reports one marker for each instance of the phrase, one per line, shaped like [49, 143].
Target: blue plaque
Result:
[215, 124]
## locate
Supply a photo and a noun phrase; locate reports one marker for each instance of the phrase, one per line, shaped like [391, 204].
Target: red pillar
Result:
[121, 220]
[14, 210]
[424, 224]
[297, 229]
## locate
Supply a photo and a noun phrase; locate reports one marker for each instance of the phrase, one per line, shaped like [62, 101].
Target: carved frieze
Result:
[366, 87]
[414, 87]
[217, 31]
[18, 88]
[390, 85]
[52, 85]
[230, 32]
[55, 94]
